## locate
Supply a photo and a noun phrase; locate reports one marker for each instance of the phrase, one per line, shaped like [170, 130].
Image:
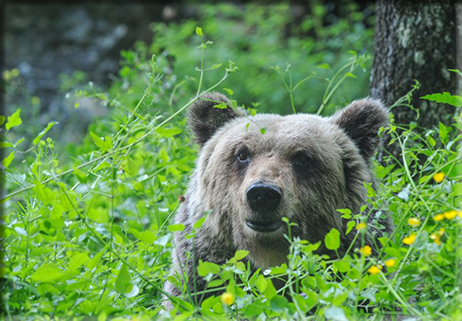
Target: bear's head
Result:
[254, 170]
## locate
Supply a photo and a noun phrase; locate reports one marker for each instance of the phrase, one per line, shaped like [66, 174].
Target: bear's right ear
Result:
[204, 119]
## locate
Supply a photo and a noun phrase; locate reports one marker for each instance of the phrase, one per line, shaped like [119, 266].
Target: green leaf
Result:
[199, 222]
[350, 226]
[104, 145]
[221, 106]
[446, 98]
[43, 132]
[332, 240]
[443, 133]
[48, 272]
[176, 227]
[95, 260]
[168, 132]
[98, 214]
[240, 254]
[205, 268]
[7, 161]
[323, 66]
[2, 120]
[14, 120]
[229, 91]
[351, 75]
[77, 260]
[199, 31]
[346, 212]
[123, 281]
[457, 189]
[81, 176]
[261, 283]
[343, 266]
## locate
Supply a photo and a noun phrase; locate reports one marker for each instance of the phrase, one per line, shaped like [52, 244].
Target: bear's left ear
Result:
[361, 121]
[204, 119]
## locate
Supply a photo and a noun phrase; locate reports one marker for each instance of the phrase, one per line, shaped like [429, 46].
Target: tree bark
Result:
[415, 40]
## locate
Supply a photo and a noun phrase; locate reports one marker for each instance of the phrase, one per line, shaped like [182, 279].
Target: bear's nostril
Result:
[263, 197]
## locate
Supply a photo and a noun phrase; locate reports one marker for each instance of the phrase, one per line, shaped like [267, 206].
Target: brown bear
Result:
[301, 166]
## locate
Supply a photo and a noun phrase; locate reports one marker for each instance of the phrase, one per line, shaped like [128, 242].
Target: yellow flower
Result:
[361, 226]
[413, 221]
[227, 298]
[375, 269]
[438, 217]
[460, 214]
[366, 250]
[436, 237]
[438, 177]
[390, 262]
[409, 239]
[450, 215]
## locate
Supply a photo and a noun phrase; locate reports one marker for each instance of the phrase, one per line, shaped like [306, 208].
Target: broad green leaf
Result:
[98, 214]
[199, 31]
[205, 268]
[7, 161]
[43, 132]
[240, 254]
[48, 272]
[261, 283]
[343, 265]
[446, 98]
[77, 260]
[332, 239]
[14, 120]
[457, 189]
[123, 281]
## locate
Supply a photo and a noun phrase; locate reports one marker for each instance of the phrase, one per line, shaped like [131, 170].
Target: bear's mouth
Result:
[264, 226]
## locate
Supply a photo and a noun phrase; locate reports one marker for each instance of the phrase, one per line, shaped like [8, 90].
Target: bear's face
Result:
[303, 167]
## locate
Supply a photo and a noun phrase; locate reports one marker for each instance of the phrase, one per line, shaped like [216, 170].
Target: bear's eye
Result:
[301, 159]
[243, 157]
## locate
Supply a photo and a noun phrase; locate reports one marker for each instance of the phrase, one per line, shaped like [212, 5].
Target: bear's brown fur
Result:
[303, 167]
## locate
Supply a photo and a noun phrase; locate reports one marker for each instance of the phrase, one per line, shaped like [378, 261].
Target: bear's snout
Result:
[263, 197]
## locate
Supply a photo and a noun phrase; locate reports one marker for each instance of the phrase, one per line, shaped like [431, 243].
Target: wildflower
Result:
[436, 237]
[460, 214]
[366, 250]
[375, 269]
[390, 262]
[362, 226]
[450, 215]
[227, 298]
[409, 239]
[438, 217]
[413, 222]
[438, 177]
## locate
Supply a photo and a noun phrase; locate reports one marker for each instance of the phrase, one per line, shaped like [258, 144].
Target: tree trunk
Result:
[415, 40]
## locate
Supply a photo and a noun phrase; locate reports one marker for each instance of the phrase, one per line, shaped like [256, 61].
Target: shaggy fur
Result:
[319, 164]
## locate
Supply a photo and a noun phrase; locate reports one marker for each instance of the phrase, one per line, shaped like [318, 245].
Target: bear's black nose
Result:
[263, 197]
